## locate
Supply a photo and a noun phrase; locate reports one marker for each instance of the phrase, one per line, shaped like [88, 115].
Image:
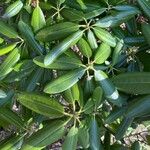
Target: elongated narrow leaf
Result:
[84, 48]
[92, 40]
[67, 81]
[138, 107]
[11, 143]
[95, 143]
[146, 32]
[117, 52]
[2, 94]
[125, 8]
[115, 114]
[8, 30]
[134, 83]
[49, 134]
[7, 66]
[38, 19]
[29, 37]
[62, 47]
[72, 14]
[105, 36]
[13, 9]
[41, 104]
[116, 20]
[56, 31]
[71, 139]
[110, 90]
[145, 5]
[95, 13]
[21, 70]
[125, 124]
[61, 63]
[34, 79]
[7, 48]
[102, 53]
[11, 117]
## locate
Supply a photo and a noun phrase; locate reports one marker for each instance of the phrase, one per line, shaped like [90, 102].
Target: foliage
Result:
[76, 70]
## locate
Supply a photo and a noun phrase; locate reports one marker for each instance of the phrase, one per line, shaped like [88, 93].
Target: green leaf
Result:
[67, 81]
[71, 139]
[117, 52]
[108, 87]
[133, 83]
[11, 117]
[7, 66]
[13, 9]
[11, 143]
[145, 5]
[20, 71]
[136, 146]
[82, 4]
[72, 14]
[84, 48]
[116, 19]
[34, 79]
[38, 19]
[41, 104]
[29, 37]
[125, 124]
[95, 143]
[138, 107]
[83, 136]
[125, 8]
[92, 40]
[89, 106]
[2, 94]
[7, 48]
[95, 13]
[62, 47]
[8, 30]
[105, 36]
[49, 134]
[102, 53]
[146, 32]
[61, 63]
[57, 31]
[97, 96]
[115, 114]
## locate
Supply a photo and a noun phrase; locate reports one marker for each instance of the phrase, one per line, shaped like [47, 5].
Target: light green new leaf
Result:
[8, 30]
[64, 82]
[56, 31]
[92, 40]
[84, 48]
[62, 47]
[38, 19]
[7, 48]
[102, 53]
[49, 134]
[71, 139]
[62, 63]
[11, 117]
[133, 83]
[13, 9]
[41, 104]
[105, 36]
[2, 94]
[7, 66]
